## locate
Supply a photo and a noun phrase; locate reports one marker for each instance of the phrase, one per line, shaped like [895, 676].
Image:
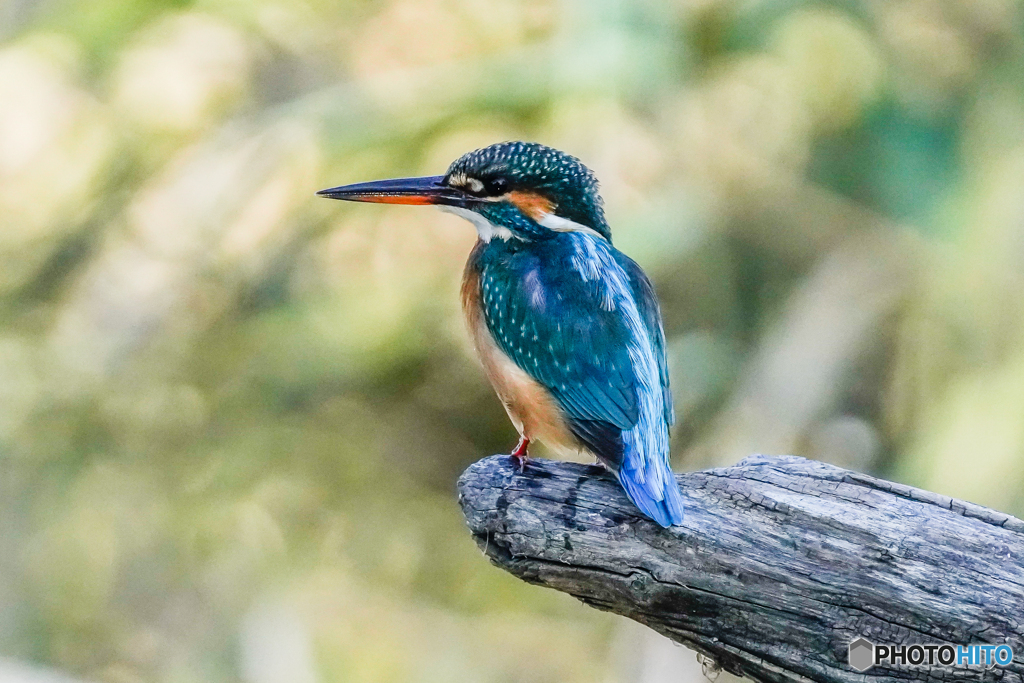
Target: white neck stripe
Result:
[559, 224]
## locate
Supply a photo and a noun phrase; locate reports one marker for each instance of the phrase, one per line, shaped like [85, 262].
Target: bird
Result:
[568, 328]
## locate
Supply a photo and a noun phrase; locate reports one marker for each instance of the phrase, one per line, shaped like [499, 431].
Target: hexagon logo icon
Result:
[862, 654]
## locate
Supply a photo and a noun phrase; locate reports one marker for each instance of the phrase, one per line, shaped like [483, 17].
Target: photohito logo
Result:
[864, 654]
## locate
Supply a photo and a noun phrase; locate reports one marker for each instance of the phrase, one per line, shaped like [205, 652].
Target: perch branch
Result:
[780, 563]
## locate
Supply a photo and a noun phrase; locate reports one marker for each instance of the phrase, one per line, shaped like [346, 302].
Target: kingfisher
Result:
[567, 327]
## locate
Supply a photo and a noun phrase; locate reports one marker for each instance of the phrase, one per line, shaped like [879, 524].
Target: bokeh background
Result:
[232, 414]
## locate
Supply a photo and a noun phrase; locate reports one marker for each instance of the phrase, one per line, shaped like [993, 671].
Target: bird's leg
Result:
[519, 454]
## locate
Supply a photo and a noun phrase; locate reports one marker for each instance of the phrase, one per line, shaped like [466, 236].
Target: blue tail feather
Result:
[664, 506]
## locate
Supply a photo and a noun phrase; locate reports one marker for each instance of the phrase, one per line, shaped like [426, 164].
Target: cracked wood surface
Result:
[780, 563]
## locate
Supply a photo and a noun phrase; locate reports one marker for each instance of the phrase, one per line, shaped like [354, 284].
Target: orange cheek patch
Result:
[532, 204]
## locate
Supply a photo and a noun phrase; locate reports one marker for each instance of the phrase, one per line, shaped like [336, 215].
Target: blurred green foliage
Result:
[231, 414]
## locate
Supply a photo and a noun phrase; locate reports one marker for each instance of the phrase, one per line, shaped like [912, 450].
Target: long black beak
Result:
[429, 190]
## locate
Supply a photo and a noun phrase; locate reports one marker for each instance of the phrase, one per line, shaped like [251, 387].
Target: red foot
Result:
[519, 454]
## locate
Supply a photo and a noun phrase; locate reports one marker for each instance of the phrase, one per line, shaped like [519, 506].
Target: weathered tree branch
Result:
[780, 564]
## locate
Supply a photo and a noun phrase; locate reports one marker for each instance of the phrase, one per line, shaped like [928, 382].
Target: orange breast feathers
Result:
[530, 406]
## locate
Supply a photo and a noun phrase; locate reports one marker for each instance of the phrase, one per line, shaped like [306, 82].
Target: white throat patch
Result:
[484, 228]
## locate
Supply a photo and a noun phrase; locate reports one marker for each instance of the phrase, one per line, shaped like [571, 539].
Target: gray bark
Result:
[780, 563]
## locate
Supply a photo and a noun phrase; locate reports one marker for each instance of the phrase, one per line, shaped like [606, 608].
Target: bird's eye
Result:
[496, 186]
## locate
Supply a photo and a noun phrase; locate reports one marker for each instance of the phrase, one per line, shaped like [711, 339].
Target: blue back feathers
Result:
[580, 317]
